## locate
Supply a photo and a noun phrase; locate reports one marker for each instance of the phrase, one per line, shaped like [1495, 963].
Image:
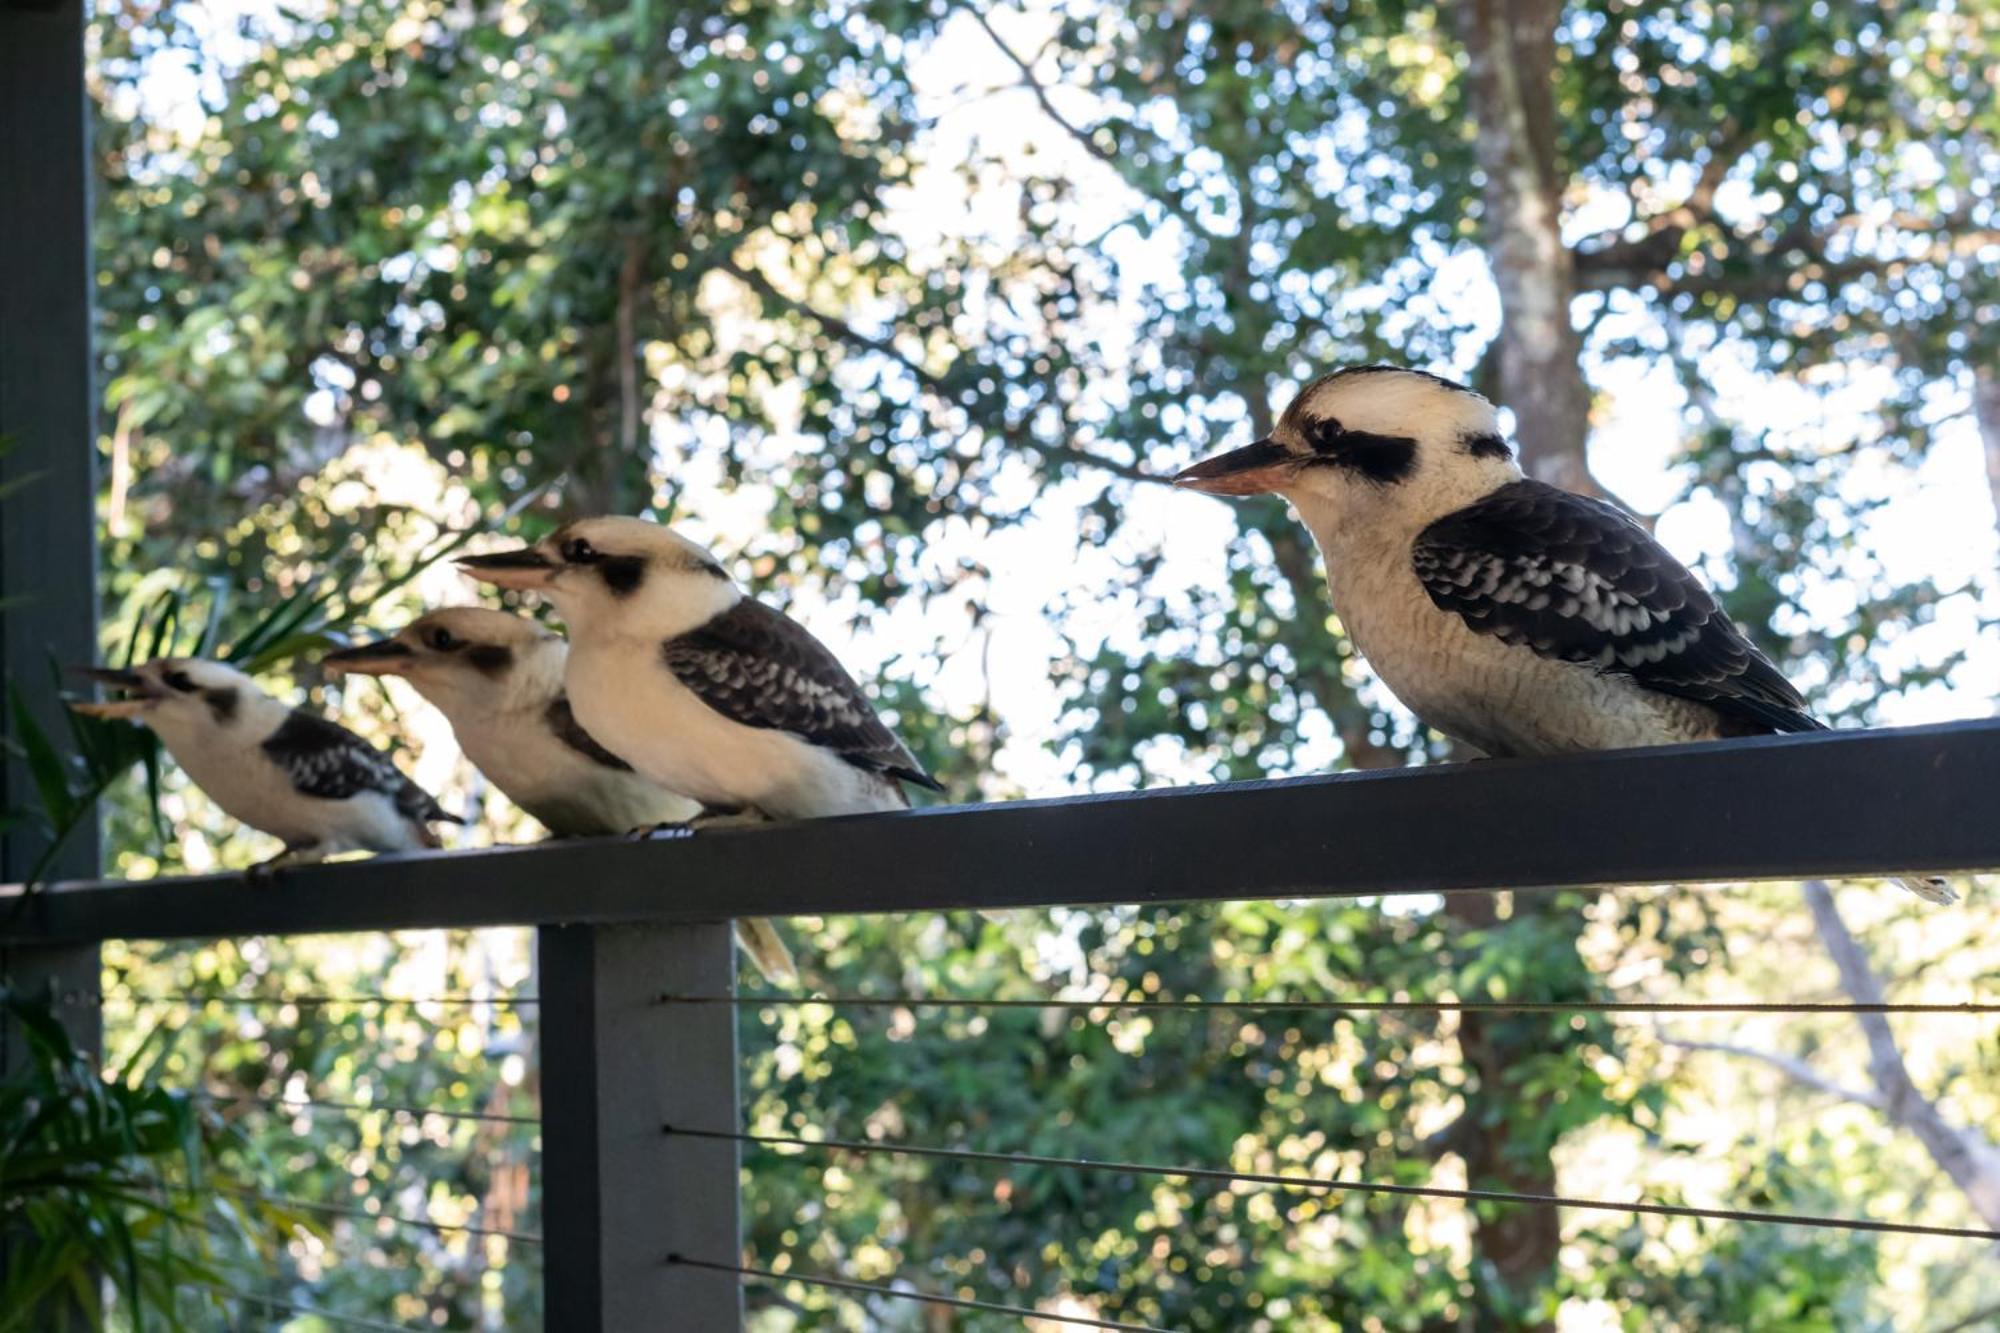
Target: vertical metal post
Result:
[618, 1194]
[48, 586]
[48, 517]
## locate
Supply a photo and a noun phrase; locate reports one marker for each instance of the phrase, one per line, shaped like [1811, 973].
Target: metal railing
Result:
[642, 1134]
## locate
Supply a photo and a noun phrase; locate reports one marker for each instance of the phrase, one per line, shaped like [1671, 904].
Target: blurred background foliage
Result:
[907, 308]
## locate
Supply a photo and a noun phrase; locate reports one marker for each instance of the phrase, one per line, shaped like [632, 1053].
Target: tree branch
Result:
[1040, 91]
[1643, 261]
[1084, 137]
[932, 383]
[1980, 1318]
[1793, 1067]
[1971, 1160]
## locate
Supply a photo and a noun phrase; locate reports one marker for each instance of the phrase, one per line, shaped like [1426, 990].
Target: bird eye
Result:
[1325, 435]
[444, 640]
[577, 551]
[179, 680]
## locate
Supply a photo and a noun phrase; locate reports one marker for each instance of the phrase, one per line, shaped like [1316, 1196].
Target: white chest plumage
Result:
[570, 793]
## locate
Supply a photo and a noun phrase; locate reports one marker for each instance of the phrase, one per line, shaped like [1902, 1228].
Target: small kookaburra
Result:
[498, 679]
[311, 783]
[701, 688]
[1508, 614]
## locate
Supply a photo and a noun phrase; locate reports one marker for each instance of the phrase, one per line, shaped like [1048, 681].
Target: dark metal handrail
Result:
[1826, 804]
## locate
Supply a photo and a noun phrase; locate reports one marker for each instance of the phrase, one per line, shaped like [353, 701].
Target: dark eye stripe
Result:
[1380, 458]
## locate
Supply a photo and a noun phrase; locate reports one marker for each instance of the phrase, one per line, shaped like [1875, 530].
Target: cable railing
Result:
[293, 1105]
[636, 1017]
[1322, 1184]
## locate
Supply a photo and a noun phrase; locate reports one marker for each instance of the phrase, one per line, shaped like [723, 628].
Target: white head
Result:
[186, 698]
[1375, 447]
[616, 575]
[467, 660]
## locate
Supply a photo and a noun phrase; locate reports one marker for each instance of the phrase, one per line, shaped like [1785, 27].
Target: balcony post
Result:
[48, 518]
[618, 1194]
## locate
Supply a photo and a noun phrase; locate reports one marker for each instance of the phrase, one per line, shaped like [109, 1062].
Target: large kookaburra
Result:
[1508, 614]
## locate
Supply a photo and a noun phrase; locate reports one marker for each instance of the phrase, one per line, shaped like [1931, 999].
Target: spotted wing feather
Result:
[755, 666]
[1578, 580]
[326, 760]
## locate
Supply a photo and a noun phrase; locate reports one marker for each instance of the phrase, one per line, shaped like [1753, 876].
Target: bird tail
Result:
[760, 939]
[1928, 887]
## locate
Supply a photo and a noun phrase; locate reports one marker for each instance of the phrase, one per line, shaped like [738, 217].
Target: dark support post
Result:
[48, 595]
[48, 586]
[619, 1194]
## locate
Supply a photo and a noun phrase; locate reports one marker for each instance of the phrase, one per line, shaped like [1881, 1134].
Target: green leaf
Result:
[44, 764]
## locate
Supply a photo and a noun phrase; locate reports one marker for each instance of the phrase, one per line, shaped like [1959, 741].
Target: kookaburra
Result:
[1508, 614]
[698, 686]
[498, 679]
[309, 782]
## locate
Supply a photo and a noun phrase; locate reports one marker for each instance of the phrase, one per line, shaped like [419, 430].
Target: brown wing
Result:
[1578, 580]
[755, 666]
[570, 732]
[325, 759]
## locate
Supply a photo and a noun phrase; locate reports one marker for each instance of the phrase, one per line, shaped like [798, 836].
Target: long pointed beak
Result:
[525, 568]
[143, 694]
[111, 708]
[390, 657]
[1252, 470]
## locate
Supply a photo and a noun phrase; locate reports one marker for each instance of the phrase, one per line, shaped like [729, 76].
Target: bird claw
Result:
[707, 819]
[677, 828]
[266, 871]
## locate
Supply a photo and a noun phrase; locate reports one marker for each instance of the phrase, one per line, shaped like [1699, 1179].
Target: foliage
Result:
[117, 1178]
[255, 1051]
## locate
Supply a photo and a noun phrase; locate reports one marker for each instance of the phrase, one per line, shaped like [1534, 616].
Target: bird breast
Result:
[570, 793]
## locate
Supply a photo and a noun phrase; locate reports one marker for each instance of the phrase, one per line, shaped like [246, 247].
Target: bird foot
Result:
[671, 829]
[707, 819]
[266, 871]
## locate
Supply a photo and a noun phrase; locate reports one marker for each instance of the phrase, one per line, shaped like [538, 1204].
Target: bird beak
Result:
[525, 568]
[390, 657]
[1251, 470]
[142, 694]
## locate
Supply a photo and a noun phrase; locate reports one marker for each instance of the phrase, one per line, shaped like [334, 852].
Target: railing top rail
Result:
[1829, 804]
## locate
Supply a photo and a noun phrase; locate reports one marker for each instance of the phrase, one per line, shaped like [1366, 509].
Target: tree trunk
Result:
[611, 477]
[1510, 48]
[1518, 1246]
